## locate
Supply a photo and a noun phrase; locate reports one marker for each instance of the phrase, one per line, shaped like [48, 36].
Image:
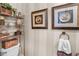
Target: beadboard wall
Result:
[43, 42]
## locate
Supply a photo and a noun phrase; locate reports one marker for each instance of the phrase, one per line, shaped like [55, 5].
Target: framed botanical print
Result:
[65, 16]
[39, 19]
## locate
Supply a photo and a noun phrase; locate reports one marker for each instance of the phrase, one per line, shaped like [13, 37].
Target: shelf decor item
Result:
[39, 19]
[5, 9]
[2, 20]
[65, 16]
[9, 43]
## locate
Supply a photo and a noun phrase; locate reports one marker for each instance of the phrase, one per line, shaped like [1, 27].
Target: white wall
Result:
[41, 42]
[21, 8]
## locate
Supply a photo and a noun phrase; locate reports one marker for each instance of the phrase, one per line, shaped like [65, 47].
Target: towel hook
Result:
[64, 33]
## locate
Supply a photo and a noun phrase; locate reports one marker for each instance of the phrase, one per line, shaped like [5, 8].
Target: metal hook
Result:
[64, 33]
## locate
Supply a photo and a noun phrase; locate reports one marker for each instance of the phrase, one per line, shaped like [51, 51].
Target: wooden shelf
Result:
[12, 34]
[17, 17]
[5, 38]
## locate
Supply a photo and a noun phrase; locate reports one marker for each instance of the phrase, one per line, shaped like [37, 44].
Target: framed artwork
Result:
[39, 19]
[65, 16]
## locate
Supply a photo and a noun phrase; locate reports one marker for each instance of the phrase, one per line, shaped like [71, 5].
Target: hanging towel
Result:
[64, 47]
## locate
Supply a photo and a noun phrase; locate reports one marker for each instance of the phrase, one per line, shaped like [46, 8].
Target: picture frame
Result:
[65, 16]
[39, 19]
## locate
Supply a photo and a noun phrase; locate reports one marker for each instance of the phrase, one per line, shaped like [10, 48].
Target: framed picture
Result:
[39, 19]
[65, 16]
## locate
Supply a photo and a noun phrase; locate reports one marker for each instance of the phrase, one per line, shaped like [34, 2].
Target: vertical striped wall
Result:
[43, 42]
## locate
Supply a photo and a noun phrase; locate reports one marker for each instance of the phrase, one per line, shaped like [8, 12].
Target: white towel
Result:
[64, 45]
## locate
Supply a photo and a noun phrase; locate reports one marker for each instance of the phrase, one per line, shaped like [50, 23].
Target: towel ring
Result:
[64, 33]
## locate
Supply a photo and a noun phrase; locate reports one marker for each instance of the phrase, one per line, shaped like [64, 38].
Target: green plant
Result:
[3, 5]
[6, 5]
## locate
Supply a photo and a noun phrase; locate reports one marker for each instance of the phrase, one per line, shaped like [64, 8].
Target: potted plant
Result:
[5, 9]
[2, 8]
